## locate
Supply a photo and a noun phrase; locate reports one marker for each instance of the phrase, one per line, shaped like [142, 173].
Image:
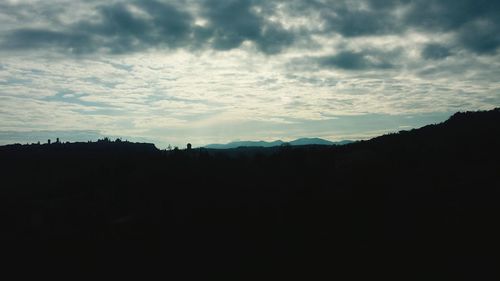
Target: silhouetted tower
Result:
[57, 140]
[48, 141]
[189, 146]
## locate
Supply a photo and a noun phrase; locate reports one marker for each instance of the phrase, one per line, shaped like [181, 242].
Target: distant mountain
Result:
[317, 141]
[237, 144]
[297, 142]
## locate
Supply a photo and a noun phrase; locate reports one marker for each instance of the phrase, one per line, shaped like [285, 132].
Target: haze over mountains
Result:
[297, 142]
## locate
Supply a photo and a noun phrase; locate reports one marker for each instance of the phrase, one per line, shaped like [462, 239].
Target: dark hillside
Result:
[419, 204]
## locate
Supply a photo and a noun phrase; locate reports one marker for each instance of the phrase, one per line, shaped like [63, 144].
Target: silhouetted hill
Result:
[469, 130]
[100, 147]
[412, 205]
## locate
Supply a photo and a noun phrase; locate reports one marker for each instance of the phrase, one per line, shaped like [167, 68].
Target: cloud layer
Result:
[218, 70]
[272, 26]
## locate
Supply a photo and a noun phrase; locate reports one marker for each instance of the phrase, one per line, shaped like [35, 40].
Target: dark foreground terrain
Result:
[416, 205]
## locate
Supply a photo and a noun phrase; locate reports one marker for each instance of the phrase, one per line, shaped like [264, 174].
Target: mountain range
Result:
[297, 142]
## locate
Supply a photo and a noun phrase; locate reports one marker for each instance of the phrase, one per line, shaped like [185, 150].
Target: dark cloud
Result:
[348, 18]
[482, 36]
[234, 21]
[170, 24]
[117, 20]
[386, 4]
[435, 52]
[38, 38]
[273, 39]
[230, 23]
[450, 15]
[119, 30]
[360, 22]
[355, 61]
[475, 22]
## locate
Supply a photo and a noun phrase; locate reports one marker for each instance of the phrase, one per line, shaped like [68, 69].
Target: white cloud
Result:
[204, 95]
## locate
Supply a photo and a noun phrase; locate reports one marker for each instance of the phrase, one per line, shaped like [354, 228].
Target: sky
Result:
[214, 71]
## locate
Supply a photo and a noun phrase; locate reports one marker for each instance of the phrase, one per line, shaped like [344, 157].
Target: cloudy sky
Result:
[211, 71]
